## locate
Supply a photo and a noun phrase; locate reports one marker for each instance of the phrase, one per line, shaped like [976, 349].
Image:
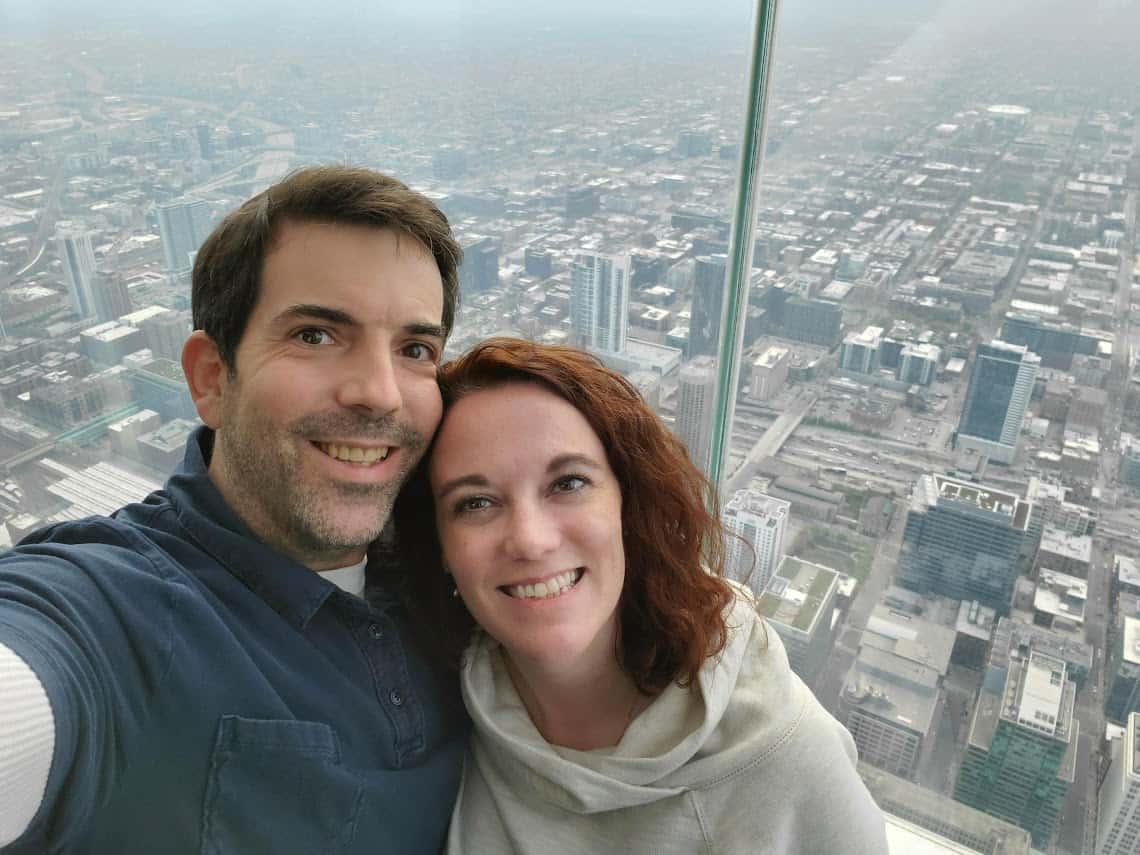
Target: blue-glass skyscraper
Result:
[996, 399]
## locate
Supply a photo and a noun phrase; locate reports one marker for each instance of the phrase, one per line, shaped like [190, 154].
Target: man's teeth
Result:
[354, 454]
[559, 584]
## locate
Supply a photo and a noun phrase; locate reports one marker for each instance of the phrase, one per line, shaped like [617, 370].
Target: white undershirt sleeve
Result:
[27, 742]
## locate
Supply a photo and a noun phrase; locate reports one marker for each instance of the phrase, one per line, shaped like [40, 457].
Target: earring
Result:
[454, 592]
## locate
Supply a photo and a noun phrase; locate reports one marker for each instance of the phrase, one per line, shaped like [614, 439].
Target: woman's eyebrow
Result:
[462, 481]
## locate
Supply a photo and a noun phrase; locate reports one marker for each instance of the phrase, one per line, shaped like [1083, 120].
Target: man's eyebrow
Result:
[313, 311]
[431, 330]
[462, 481]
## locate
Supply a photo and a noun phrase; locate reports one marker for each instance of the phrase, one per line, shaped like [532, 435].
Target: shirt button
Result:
[375, 631]
[396, 698]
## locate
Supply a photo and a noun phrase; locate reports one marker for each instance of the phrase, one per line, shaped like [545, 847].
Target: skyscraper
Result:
[963, 540]
[1021, 752]
[997, 398]
[758, 521]
[599, 300]
[1118, 822]
[183, 225]
[708, 295]
[695, 391]
[73, 243]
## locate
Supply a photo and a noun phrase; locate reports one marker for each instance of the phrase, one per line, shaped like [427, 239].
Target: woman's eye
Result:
[314, 335]
[472, 503]
[570, 484]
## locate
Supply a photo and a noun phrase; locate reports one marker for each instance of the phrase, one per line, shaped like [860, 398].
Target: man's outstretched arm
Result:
[27, 741]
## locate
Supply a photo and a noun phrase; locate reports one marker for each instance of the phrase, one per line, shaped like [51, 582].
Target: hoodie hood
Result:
[745, 703]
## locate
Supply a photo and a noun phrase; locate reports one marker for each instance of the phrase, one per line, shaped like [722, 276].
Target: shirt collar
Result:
[290, 588]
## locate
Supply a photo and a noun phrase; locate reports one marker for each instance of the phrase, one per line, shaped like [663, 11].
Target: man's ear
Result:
[206, 375]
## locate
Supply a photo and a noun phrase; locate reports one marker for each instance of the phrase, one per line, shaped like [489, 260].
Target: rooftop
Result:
[985, 498]
[1131, 640]
[798, 594]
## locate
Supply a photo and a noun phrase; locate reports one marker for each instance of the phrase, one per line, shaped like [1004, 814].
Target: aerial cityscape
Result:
[933, 479]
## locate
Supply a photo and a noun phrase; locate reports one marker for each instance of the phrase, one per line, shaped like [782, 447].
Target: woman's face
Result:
[529, 518]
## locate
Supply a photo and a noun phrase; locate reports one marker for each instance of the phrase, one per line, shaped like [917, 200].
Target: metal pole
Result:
[739, 267]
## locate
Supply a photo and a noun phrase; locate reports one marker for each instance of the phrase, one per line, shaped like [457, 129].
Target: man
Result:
[203, 672]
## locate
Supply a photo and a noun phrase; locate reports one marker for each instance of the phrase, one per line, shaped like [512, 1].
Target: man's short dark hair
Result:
[227, 269]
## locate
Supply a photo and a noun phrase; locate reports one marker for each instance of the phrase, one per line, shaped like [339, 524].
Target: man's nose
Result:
[371, 382]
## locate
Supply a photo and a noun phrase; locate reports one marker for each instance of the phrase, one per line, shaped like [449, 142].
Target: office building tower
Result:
[996, 399]
[1118, 821]
[696, 389]
[479, 271]
[165, 334]
[860, 351]
[961, 830]
[891, 696]
[1056, 342]
[1022, 746]
[918, 363]
[538, 263]
[811, 321]
[73, 244]
[599, 300]
[755, 524]
[1123, 670]
[963, 540]
[182, 225]
[798, 604]
[112, 299]
[708, 300]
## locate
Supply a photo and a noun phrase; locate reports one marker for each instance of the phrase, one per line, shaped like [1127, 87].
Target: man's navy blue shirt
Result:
[211, 695]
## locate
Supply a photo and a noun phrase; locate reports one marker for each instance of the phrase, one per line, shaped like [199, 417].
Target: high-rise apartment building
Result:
[696, 388]
[860, 351]
[918, 363]
[756, 524]
[769, 373]
[708, 299]
[997, 398]
[963, 540]
[182, 225]
[599, 300]
[1118, 821]
[73, 244]
[165, 334]
[1021, 751]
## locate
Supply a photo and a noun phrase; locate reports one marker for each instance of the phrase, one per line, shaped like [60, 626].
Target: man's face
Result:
[335, 397]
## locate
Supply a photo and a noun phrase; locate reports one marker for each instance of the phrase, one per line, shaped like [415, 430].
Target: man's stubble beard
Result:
[265, 474]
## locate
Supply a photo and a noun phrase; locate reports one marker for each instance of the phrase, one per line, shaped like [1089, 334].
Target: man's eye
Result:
[314, 335]
[420, 351]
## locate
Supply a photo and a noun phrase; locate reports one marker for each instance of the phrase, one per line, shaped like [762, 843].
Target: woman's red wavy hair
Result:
[672, 608]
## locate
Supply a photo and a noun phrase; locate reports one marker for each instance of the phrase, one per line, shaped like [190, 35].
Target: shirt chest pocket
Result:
[278, 786]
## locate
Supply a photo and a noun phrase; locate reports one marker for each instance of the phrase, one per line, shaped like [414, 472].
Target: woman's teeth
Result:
[354, 454]
[552, 587]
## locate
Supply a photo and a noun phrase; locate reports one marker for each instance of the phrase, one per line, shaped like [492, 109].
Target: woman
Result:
[624, 697]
